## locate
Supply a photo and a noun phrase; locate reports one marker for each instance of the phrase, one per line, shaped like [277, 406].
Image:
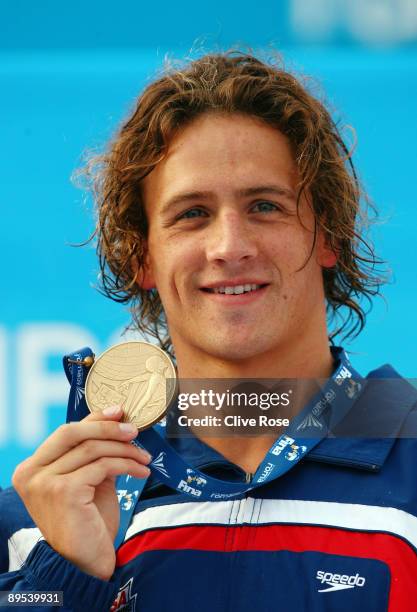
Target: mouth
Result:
[235, 289]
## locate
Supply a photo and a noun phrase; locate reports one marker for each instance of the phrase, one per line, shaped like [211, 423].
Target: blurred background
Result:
[69, 73]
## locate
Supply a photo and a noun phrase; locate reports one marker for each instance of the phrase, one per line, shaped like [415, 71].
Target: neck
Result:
[305, 361]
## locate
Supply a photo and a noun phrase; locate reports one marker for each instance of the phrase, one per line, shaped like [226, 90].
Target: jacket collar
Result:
[379, 414]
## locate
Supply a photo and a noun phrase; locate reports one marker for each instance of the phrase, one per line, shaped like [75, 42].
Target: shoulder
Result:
[392, 400]
[390, 390]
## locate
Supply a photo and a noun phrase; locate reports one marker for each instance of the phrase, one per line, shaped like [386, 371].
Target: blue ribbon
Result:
[305, 431]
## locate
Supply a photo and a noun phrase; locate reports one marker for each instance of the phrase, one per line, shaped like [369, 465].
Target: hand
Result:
[67, 486]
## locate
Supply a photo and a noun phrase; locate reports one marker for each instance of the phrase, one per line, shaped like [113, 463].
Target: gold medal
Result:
[137, 376]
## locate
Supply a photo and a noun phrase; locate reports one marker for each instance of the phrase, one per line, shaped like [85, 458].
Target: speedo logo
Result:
[338, 582]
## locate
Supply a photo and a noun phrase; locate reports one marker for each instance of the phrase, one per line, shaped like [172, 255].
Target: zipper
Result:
[248, 477]
[362, 465]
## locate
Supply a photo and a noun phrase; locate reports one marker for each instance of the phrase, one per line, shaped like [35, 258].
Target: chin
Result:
[236, 349]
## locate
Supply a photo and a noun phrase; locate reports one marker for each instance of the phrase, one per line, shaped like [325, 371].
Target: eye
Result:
[192, 213]
[265, 207]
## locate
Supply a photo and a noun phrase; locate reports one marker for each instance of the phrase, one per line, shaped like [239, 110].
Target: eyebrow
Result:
[189, 196]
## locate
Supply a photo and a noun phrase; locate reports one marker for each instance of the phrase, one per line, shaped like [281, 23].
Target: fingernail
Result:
[111, 410]
[147, 456]
[127, 427]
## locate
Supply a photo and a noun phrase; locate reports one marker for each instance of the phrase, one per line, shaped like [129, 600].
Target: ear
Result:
[143, 275]
[325, 254]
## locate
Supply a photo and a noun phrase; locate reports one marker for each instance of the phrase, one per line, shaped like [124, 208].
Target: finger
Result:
[90, 450]
[111, 413]
[69, 436]
[95, 473]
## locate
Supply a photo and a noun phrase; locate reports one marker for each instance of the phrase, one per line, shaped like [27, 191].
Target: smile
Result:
[236, 289]
[236, 294]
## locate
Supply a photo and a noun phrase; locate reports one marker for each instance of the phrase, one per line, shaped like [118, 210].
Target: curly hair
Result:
[232, 82]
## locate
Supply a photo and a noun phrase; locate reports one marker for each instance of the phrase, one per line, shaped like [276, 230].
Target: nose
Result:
[230, 239]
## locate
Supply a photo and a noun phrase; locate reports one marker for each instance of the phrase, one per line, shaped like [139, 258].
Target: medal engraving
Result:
[137, 376]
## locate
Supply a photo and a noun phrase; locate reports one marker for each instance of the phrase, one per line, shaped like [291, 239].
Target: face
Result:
[226, 249]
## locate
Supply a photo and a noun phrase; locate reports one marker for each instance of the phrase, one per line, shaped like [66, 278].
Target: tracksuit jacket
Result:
[338, 532]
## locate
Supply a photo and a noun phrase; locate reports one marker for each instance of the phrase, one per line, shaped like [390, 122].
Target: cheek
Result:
[173, 262]
[290, 250]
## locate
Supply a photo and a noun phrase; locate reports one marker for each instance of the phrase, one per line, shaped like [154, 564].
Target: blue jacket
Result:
[337, 532]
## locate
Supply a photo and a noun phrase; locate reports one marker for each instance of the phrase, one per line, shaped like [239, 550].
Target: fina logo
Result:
[281, 445]
[183, 486]
[352, 388]
[158, 464]
[295, 453]
[193, 477]
[339, 582]
[126, 498]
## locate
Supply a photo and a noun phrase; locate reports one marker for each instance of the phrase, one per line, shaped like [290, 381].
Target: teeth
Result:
[236, 290]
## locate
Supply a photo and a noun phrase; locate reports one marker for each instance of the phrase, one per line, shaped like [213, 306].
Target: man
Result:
[227, 211]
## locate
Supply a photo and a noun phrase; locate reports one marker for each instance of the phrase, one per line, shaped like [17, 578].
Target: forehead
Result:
[218, 152]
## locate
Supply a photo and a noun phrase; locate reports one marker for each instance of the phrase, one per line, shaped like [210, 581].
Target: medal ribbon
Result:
[317, 419]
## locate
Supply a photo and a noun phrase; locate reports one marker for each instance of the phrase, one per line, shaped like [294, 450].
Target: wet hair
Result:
[227, 83]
